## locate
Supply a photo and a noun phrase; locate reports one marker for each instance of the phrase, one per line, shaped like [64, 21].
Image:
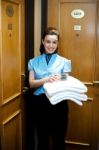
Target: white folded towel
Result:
[69, 89]
[70, 83]
[65, 98]
[73, 96]
[80, 97]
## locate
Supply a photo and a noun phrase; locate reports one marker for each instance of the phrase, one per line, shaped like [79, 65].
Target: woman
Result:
[50, 120]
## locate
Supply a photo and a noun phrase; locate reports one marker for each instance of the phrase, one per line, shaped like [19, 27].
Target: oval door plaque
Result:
[9, 10]
[77, 13]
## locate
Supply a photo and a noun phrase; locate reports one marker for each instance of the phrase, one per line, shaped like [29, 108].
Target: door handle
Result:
[25, 89]
[92, 83]
[24, 85]
[96, 83]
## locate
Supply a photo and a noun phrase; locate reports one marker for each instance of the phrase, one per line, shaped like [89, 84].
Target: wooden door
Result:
[11, 68]
[77, 22]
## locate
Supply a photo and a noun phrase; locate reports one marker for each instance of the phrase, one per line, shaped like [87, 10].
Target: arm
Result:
[34, 83]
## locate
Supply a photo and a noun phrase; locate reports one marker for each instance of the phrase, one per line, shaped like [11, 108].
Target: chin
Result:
[51, 52]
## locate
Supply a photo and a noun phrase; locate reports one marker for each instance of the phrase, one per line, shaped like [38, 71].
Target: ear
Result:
[42, 41]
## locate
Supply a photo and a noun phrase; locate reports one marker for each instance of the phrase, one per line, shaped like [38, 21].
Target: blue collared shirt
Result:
[56, 65]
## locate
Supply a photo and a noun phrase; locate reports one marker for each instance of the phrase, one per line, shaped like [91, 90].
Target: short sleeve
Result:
[67, 66]
[30, 65]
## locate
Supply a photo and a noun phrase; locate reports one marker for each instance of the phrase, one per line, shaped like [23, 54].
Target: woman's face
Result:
[50, 43]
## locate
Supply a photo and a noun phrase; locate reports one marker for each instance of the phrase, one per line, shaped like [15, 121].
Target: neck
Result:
[51, 53]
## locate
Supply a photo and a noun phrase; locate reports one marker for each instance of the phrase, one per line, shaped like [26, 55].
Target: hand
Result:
[54, 78]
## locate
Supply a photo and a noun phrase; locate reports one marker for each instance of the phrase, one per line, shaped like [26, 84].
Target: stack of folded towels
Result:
[69, 89]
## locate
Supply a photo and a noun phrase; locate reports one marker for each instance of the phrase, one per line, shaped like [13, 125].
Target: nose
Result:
[51, 44]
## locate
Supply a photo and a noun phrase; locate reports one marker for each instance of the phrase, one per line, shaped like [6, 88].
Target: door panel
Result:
[11, 51]
[78, 43]
[10, 76]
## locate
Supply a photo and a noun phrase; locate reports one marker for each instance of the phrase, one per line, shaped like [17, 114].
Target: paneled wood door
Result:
[11, 68]
[77, 22]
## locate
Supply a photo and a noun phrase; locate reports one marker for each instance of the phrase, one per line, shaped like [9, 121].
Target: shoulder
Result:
[33, 62]
[63, 58]
[35, 59]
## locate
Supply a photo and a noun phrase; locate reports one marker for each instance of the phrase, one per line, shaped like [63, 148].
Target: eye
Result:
[55, 42]
[48, 41]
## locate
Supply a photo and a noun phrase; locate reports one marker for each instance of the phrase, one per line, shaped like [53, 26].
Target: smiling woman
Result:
[50, 121]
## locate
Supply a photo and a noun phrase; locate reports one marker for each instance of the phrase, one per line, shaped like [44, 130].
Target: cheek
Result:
[45, 44]
[55, 45]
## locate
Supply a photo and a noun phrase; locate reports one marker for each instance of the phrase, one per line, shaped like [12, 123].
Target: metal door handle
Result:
[92, 83]
[96, 83]
[25, 89]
